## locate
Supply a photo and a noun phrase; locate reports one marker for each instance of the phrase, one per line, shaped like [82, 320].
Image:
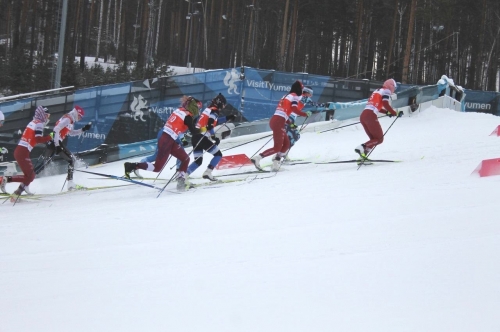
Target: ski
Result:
[41, 196]
[122, 178]
[365, 162]
[245, 173]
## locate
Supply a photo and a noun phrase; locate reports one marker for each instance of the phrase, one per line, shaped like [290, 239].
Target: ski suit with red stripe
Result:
[378, 101]
[288, 104]
[180, 121]
[32, 135]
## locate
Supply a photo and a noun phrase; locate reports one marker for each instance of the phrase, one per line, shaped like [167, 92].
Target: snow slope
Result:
[410, 246]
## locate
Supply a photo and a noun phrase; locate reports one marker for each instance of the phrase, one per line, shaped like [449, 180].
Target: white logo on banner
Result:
[230, 81]
[137, 106]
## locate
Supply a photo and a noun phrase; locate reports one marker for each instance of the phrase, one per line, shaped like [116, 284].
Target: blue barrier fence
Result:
[134, 111]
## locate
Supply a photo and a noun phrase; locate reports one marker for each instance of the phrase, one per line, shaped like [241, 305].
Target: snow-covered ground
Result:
[410, 246]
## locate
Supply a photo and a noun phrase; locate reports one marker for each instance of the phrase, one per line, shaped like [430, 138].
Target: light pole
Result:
[190, 18]
[204, 27]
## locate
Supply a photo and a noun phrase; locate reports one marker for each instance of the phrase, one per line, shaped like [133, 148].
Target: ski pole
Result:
[194, 147]
[261, 147]
[162, 168]
[352, 124]
[247, 142]
[165, 186]
[369, 153]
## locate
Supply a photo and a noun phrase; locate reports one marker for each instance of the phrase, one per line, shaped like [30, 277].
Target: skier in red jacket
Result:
[32, 135]
[377, 103]
[290, 103]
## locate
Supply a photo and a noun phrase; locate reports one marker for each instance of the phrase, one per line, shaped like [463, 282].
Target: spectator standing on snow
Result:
[377, 103]
[32, 135]
[288, 104]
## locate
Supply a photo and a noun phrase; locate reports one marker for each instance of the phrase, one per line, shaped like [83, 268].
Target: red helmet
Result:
[80, 111]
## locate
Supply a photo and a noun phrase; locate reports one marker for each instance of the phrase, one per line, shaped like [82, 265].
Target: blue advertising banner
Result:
[127, 113]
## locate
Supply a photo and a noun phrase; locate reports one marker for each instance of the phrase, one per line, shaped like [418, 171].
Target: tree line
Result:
[413, 41]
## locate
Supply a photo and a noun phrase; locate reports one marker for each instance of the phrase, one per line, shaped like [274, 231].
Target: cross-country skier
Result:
[206, 139]
[288, 104]
[377, 103]
[32, 135]
[292, 130]
[181, 139]
[180, 121]
[56, 147]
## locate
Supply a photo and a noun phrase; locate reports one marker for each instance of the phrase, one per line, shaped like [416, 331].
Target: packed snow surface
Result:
[407, 246]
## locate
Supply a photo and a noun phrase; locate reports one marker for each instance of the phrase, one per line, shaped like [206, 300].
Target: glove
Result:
[216, 140]
[400, 114]
[309, 113]
[389, 114]
[184, 141]
[4, 151]
[230, 117]
[52, 135]
[87, 127]
[58, 150]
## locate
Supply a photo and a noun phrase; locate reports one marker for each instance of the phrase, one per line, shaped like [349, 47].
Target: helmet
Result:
[219, 101]
[307, 89]
[390, 84]
[80, 111]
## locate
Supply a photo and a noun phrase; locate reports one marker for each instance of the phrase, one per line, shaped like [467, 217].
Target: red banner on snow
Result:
[496, 132]
[488, 167]
[233, 161]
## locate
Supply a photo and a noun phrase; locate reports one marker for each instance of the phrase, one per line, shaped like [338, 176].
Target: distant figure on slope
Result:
[32, 135]
[206, 139]
[377, 103]
[180, 121]
[56, 147]
[291, 102]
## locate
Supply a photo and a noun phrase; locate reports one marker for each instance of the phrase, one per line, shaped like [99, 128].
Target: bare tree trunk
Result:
[359, 34]
[107, 35]
[484, 82]
[118, 28]
[158, 27]
[391, 41]
[409, 40]
[281, 65]
[293, 36]
[99, 32]
[141, 50]
[84, 36]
